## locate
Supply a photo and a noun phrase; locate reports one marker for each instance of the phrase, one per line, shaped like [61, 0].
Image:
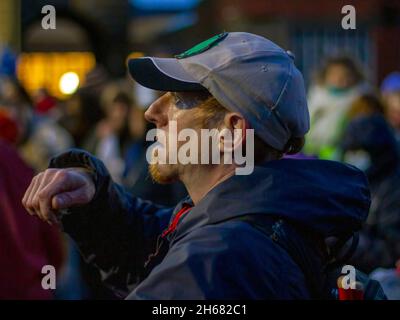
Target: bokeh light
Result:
[69, 82]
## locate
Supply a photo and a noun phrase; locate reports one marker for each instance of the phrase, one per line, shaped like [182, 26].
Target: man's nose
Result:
[156, 112]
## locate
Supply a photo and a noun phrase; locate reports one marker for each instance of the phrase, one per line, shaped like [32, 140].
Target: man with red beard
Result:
[210, 245]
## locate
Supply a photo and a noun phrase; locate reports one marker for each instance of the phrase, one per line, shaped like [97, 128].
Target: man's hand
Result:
[56, 189]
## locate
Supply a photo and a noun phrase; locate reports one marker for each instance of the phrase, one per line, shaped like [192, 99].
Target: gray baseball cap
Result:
[246, 73]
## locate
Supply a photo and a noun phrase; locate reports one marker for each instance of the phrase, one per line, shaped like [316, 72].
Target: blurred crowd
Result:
[351, 121]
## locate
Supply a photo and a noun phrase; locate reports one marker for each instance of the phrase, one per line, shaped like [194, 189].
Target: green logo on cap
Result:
[203, 46]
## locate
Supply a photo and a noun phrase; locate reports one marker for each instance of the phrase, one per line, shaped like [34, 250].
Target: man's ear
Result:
[233, 134]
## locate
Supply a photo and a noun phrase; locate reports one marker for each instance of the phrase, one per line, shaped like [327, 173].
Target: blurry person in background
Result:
[40, 137]
[369, 144]
[390, 89]
[95, 82]
[365, 105]
[112, 137]
[81, 113]
[339, 82]
[120, 142]
[13, 92]
[26, 245]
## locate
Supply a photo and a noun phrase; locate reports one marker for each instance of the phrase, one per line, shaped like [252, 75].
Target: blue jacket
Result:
[212, 254]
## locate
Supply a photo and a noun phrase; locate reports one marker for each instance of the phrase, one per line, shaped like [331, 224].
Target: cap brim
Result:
[164, 74]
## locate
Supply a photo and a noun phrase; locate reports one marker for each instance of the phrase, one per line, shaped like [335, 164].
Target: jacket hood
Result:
[328, 197]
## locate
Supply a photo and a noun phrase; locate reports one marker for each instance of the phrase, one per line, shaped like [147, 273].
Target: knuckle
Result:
[28, 202]
[46, 173]
[50, 172]
[62, 174]
[39, 176]
[42, 195]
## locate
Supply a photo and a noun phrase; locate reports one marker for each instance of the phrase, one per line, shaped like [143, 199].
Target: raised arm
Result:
[113, 230]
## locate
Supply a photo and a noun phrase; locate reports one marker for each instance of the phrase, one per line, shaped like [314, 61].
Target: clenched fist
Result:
[56, 189]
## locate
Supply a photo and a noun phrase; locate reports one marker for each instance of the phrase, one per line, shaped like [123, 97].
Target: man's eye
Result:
[178, 100]
[185, 102]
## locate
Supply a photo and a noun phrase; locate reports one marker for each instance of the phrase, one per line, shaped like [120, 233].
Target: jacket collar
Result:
[327, 196]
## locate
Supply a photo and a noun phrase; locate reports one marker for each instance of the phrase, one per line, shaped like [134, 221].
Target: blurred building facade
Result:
[312, 30]
[111, 30]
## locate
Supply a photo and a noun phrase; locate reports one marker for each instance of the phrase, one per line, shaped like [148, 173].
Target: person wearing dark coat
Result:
[369, 144]
[211, 245]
